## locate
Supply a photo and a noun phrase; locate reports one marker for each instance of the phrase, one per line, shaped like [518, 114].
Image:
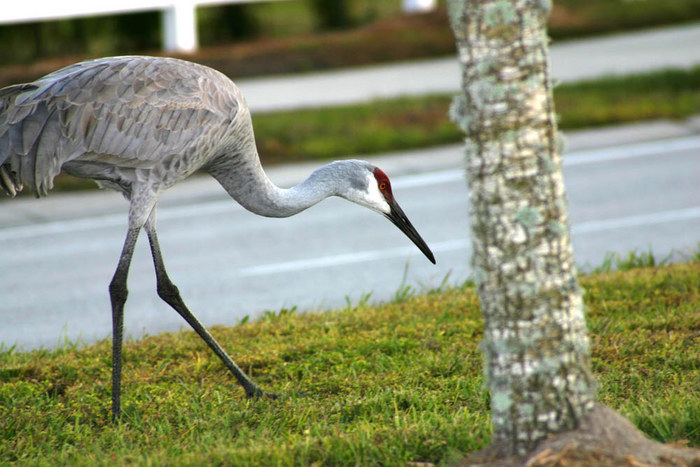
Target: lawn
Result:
[369, 384]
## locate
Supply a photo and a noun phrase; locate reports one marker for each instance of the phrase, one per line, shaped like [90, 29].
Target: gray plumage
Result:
[124, 113]
[139, 125]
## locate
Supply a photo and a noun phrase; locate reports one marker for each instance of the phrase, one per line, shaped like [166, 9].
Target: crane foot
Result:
[257, 392]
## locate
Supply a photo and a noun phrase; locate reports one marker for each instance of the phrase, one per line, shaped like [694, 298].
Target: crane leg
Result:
[171, 295]
[118, 293]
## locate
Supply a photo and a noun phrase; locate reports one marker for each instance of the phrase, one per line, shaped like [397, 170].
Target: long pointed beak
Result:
[399, 219]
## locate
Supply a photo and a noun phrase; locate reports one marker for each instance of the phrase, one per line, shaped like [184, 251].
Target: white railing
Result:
[179, 18]
[413, 6]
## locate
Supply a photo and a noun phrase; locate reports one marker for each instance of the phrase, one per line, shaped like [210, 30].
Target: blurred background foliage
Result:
[229, 25]
[127, 33]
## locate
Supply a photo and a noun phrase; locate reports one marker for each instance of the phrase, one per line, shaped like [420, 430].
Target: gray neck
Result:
[244, 179]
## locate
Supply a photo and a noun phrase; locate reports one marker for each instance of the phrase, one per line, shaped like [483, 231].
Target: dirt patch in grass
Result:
[604, 439]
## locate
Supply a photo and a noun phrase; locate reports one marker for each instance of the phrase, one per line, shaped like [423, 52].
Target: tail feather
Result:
[13, 153]
[9, 182]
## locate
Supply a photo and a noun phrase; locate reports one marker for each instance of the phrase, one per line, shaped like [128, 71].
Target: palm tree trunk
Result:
[536, 347]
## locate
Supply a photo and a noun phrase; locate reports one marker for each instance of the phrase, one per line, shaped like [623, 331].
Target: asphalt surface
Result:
[632, 186]
[673, 47]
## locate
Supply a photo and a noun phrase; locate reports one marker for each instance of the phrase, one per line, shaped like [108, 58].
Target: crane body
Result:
[139, 125]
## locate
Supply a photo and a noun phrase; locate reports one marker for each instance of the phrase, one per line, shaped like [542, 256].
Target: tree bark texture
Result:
[536, 347]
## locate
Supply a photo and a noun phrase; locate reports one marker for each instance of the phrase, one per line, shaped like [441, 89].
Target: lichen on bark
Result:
[535, 342]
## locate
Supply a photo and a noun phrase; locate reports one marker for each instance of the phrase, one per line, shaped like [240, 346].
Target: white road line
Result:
[627, 151]
[427, 179]
[635, 221]
[60, 227]
[116, 220]
[325, 261]
[592, 156]
[350, 258]
[455, 245]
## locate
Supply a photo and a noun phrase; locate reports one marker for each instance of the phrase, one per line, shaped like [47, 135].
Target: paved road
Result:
[677, 47]
[629, 187]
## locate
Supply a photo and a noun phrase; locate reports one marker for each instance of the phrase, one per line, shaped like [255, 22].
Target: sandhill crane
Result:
[139, 125]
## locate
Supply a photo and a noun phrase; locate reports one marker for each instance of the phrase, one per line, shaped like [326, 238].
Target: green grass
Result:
[670, 94]
[368, 128]
[642, 259]
[417, 122]
[366, 385]
[634, 259]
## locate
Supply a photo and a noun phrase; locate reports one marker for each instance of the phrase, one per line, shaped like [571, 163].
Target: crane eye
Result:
[382, 186]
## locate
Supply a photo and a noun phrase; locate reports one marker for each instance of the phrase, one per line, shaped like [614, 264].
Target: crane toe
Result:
[258, 393]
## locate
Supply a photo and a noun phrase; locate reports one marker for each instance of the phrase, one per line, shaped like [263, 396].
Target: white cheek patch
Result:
[375, 199]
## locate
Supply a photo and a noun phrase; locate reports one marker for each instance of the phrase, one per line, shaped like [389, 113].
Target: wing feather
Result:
[129, 111]
[45, 166]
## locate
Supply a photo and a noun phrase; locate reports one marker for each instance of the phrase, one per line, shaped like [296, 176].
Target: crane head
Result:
[377, 195]
[396, 215]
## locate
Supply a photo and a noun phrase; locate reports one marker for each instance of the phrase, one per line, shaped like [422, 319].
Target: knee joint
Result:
[118, 292]
[168, 291]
